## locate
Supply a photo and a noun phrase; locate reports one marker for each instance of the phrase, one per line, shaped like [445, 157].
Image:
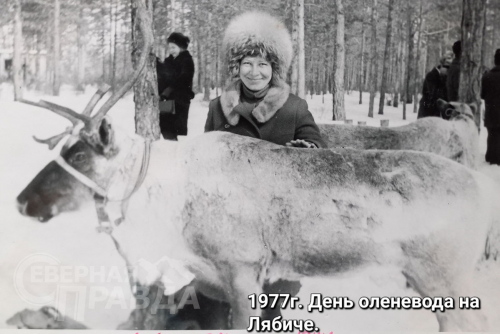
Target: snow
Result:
[71, 239]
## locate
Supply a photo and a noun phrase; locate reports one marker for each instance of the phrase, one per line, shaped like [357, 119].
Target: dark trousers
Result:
[175, 125]
[493, 146]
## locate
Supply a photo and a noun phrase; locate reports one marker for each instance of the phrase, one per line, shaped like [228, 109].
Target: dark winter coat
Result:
[490, 92]
[434, 88]
[292, 120]
[453, 80]
[175, 77]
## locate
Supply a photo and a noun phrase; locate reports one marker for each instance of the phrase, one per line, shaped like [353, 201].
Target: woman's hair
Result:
[179, 39]
[253, 50]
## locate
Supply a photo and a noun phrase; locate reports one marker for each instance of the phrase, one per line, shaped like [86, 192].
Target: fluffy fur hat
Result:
[257, 34]
[179, 39]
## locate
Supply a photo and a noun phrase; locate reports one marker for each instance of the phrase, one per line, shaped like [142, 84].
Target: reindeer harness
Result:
[101, 195]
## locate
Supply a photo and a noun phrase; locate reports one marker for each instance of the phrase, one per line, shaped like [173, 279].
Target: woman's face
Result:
[255, 72]
[173, 49]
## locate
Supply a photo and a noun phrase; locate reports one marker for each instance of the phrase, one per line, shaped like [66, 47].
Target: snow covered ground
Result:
[92, 273]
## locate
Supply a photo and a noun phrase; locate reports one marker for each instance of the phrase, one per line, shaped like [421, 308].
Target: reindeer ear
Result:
[442, 106]
[105, 132]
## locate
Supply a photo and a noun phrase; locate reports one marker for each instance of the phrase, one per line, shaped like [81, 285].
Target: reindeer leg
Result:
[244, 282]
[431, 276]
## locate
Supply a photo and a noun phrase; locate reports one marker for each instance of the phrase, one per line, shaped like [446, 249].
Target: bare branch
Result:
[426, 33]
[53, 141]
[95, 99]
[53, 106]
[56, 110]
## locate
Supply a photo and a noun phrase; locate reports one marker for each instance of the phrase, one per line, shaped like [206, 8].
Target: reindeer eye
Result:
[79, 157]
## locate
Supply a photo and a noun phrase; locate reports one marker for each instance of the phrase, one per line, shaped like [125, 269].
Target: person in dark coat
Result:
[435, 88]
[256, 101]
[490, 92]
[175, 81]
[453, 80]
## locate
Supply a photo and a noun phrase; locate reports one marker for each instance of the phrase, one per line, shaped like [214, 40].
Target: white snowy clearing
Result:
[92, 275]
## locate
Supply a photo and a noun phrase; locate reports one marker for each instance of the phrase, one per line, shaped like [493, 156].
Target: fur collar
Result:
[267, 108]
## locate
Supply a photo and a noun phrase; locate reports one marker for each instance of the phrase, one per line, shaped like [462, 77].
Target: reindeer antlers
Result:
[96, 98]
[53, 141]
[72, 116]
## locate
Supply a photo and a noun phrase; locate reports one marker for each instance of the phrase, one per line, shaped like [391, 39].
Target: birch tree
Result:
[301, 81]
[57, 49]
[339, 64]
[470, 64]
[385, 70]
[18, 49]
[374, 59]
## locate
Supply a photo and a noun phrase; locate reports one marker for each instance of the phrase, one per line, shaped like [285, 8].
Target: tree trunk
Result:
[301, 82]
[470, 64]
[295, 40]
[103, 42]
[385, 70]
[416, 84]
[494, 33]
[208, 64]
[173, 20]
[368, 73]
[374, 60]
[484, 46]
[146, 87]
[397, 75]
[57, 50]
[216, 69]
[410, 60]
[17, 62]
[115, 42]
[362, 60]
[81, 47]
[339, 64]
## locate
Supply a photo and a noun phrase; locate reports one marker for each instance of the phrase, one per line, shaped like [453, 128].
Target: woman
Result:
[256, 101]
[175, 80]
[434, 88]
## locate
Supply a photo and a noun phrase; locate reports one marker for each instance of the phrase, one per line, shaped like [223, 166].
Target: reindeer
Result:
[456, 139]
[234, 212]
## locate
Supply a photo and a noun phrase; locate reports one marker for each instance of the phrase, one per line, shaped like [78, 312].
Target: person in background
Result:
[435, 88]
[490, 92]
[175, 81]
[256, 101]
[453, 80]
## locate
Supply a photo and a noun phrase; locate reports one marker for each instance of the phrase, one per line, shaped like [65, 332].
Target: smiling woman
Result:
[255, 73]
[256, 101]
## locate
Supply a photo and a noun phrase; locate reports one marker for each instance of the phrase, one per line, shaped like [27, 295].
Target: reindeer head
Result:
[85, 161]
[56, 190]
[456, 110]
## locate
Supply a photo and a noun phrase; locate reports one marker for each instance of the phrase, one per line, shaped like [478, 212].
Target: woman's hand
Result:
[301, 143]
[166, 93]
